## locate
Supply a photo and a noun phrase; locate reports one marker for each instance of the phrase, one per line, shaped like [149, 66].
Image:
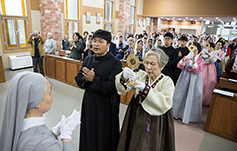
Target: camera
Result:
[34, 35]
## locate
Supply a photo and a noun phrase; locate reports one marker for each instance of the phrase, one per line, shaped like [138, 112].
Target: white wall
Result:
[94, 3]
[117, 5]
[141, 27]
[140, 7]
[35, 19]
[92, 26]
[116, 26]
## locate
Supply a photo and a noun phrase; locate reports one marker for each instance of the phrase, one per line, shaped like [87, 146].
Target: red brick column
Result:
[51, 19]
[124, 13]
[155, 24]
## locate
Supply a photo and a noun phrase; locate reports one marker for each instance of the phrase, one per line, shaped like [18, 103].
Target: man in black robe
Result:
[100, 106]
[169, 69]
[182, 51]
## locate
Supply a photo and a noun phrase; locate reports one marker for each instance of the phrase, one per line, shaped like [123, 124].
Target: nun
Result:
[28, 98]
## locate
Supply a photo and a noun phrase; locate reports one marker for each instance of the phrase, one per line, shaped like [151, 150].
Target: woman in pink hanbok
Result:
[187, 100]
[209, 77]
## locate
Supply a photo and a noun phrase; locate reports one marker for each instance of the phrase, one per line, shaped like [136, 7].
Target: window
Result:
[132, 16]
[72, 18]
[148, 25]
[15, 24]
[109, 7]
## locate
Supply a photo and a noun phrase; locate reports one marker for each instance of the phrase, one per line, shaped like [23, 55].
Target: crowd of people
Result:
[176, 76]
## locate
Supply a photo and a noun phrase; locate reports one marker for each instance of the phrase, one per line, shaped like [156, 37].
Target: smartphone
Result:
[34, 35]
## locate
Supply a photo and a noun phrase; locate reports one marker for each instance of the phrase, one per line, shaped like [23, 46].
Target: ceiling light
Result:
[200, 17]
[216, 17]
[179, 19]
[168, 19]
[191, 19]
[186, 17]
[161, 17]
[205, 19]
[173, 17]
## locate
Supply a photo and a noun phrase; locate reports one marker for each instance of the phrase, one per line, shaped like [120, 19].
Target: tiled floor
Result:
[188, 137]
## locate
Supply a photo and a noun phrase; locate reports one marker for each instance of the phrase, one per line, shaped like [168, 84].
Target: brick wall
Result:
[51, 19]
[124, 13]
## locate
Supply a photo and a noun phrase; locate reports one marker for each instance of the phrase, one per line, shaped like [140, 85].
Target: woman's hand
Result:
[141, 86]
[128, 73]
[234, 71]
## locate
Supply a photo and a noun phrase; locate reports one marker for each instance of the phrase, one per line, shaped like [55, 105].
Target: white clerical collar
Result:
[32, 122]
[154, 80]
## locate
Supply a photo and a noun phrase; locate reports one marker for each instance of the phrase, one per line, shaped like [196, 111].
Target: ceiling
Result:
[215, 20]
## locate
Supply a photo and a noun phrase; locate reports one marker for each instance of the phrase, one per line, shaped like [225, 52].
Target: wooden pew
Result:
[222, 116]
[226, 83]
[2, 74]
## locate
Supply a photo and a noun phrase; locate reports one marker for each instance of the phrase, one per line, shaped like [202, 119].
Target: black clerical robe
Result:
[169, 69]
[184, 52]
[100, 106]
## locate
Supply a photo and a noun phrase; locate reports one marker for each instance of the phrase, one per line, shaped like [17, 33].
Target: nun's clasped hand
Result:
[68, 125]
[128, 73]
[56, 129]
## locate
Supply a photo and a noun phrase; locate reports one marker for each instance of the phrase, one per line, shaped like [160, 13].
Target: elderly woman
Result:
[65, 43]
[148, 123]
[28, 98]
[50, 44]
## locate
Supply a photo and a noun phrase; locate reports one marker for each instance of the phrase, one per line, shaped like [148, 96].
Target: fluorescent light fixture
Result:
[207, 22]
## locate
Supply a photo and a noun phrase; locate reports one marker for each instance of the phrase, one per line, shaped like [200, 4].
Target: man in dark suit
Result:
[112, 48]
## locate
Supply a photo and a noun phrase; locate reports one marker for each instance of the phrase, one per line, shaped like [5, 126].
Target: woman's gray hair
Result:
[160, 54]
[51, 35]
